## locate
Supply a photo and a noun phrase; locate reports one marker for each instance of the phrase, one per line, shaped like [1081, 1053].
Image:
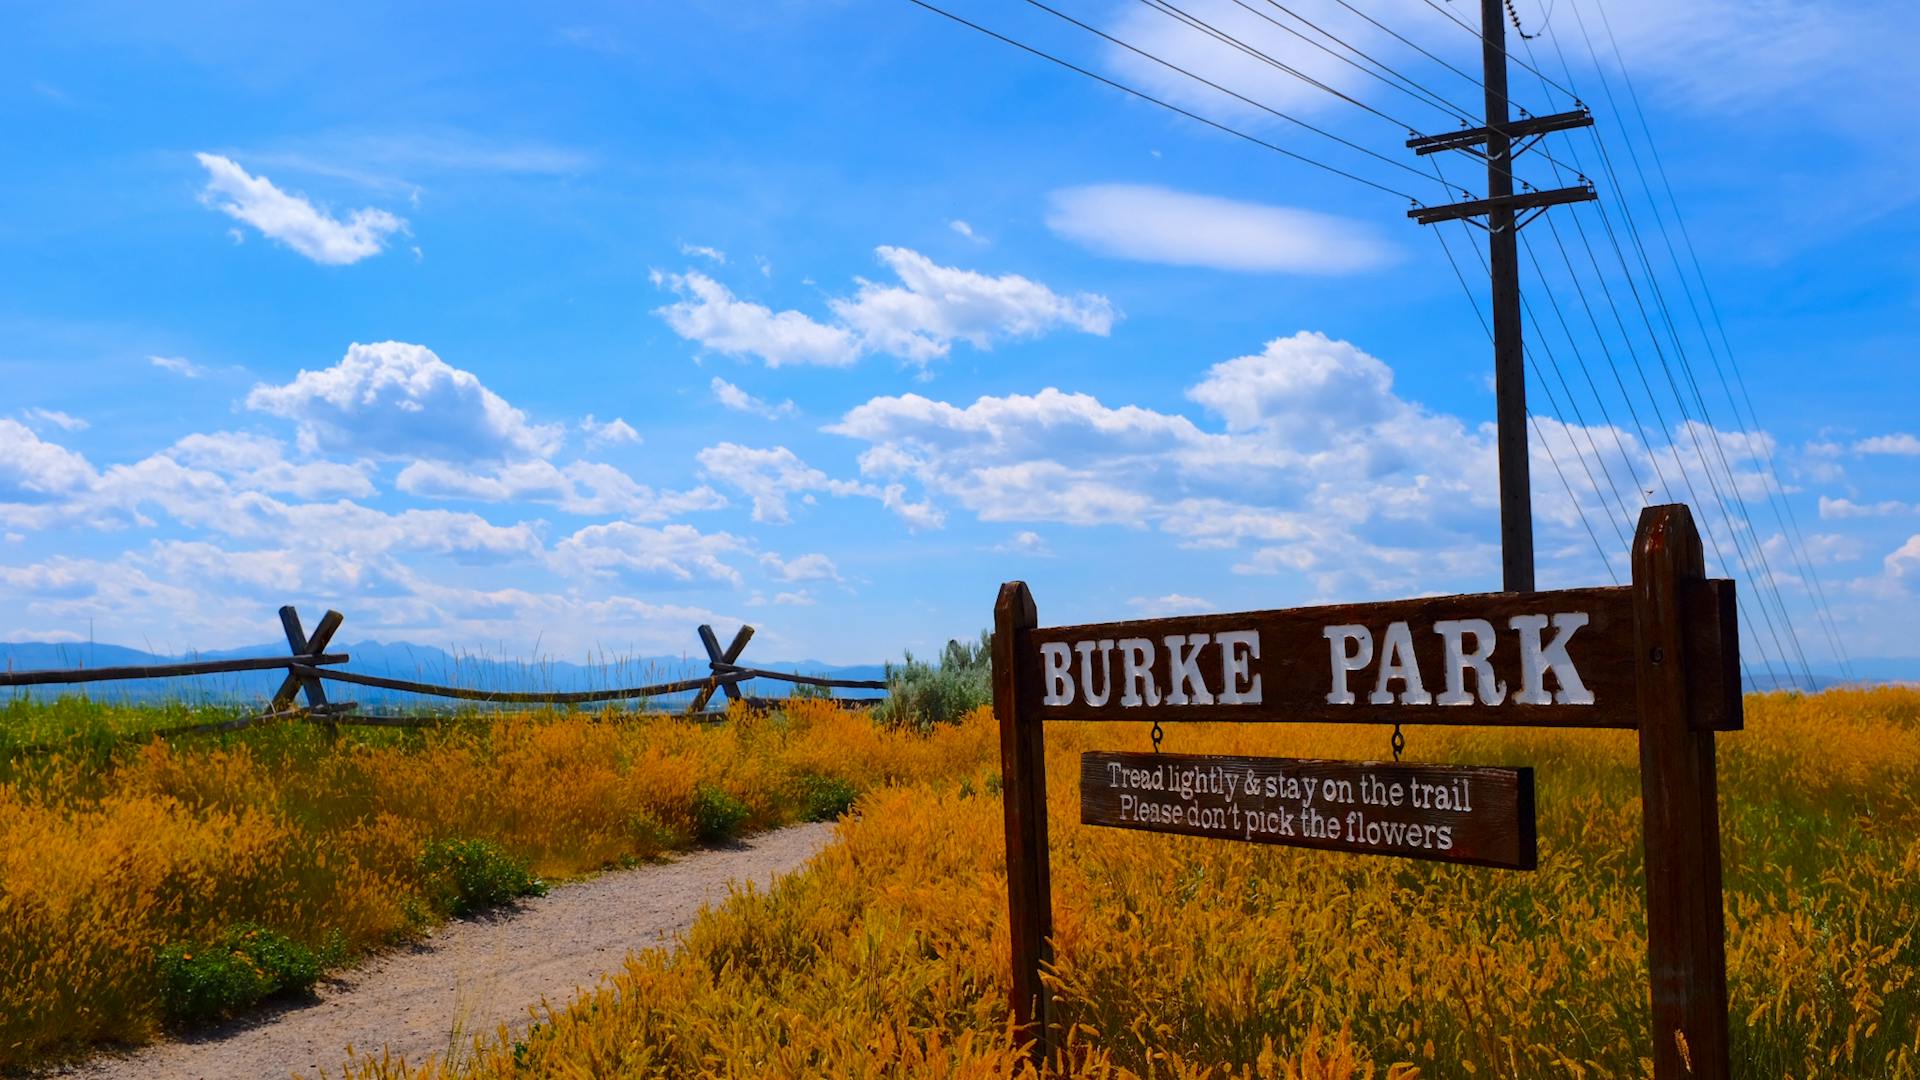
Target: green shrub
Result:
[652, 837]
[824, 798]
[202, 981]
[717, 816]
[920, 695]
[465, 876]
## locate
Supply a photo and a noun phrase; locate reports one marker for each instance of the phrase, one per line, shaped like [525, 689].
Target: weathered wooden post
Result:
[715, 657]
[1686, 933]
[302, 647]
[1023, 778]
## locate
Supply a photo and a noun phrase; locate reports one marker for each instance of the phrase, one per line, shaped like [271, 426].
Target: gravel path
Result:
[474, 975]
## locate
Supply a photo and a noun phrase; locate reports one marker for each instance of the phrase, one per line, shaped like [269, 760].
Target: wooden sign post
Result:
[1659, 656]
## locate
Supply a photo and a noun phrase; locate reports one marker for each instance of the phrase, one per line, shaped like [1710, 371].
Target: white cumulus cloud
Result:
[674, 552]
[396, 400]
[32, 470]
[709, 313]
[934, 306]
[773, 475]
[917, 320]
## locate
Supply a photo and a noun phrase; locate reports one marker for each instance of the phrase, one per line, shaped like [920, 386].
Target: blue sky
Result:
[568, 328]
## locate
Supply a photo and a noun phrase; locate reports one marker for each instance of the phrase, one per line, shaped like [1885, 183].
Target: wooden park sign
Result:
[1659, 656]
[1442, 812]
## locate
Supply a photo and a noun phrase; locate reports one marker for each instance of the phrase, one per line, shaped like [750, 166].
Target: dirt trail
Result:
[471, 976]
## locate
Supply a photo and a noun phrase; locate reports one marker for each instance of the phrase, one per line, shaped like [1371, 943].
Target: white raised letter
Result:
[1344, 661]
[1057, 658]
[1455, 631]
[1085, 649]
[1136, 672]
[1536, 660]
[1183, 669]
[1235, 666]
[1398, 662]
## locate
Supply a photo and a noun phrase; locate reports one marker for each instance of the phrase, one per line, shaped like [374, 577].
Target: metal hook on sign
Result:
[1158, 734]
[1399, 742]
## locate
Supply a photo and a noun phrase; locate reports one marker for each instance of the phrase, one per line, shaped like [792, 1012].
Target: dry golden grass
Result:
[105, 857]
[1180, 957]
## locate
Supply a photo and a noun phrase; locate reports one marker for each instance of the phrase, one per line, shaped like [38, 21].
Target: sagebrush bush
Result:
[824, 798]
[206, 980]
[717, 815]
[461, 877]
[922, 695]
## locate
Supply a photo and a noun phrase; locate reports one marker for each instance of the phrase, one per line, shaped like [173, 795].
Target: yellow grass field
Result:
[1188, 958]
[106, 856]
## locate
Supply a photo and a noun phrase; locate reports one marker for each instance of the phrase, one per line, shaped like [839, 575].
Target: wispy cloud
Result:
[1156, 224]
[732, 397]
[63, 421]
[611, 432]
[711, 254]
[291, 219]
[1900, 444]
[178, 365]
[1159, 607]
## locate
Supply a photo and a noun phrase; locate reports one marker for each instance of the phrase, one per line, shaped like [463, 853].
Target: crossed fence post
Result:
[716, 658]
[306, 649]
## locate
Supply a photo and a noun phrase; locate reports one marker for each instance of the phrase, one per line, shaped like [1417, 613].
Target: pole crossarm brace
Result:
[1531, 126]
[1525, 200]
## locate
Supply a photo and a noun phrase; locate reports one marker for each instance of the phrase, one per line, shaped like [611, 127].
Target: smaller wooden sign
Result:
[1447, 813]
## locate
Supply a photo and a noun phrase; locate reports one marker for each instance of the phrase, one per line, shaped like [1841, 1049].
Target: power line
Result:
[1605, 414]
[1770, 477]
[1764, 579]
[1686, 476]
[1144, 96]
[1203, 80]
[1474, 79]
[1411, 88]
[1544, 444]
[1554, 362]
[1171, 11]
[1479, 32]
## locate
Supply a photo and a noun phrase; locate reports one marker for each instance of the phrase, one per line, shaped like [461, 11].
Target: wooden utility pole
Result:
[1502, 208]
[1509, 370]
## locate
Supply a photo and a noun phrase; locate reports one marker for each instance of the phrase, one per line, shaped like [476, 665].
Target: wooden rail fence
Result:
[308, 665]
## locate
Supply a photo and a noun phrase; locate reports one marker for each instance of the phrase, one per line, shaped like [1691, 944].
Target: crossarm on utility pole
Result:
[1515, 129]
[1511, 204]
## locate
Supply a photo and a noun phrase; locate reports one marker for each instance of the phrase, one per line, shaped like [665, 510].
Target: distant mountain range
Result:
[397, 660]
[426, 663]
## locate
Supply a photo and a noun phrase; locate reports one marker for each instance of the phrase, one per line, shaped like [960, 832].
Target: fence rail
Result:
[516, 697]
[165, 671]
[308, 665]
